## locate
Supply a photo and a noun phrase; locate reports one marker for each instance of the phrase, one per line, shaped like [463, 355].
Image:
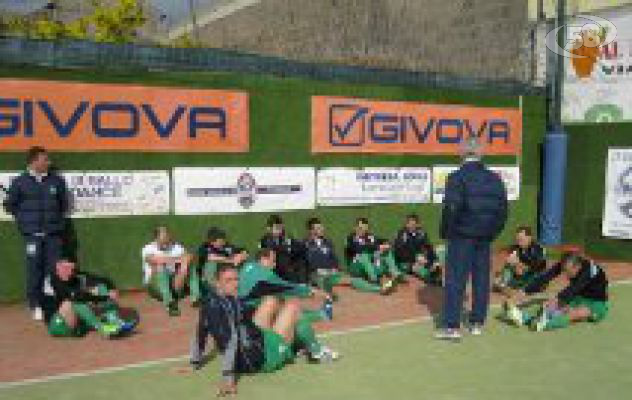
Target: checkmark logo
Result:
[347, 124]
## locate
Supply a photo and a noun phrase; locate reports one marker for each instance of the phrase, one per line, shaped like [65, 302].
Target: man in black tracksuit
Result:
[290, 262]
[474, 213]
[38, 199]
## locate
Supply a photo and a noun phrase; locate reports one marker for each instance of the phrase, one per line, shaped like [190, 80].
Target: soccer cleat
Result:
[128, 326]
[387, 287]
[38, 314]
[514, 314]
[325, 355]
[173, 310]
[448, 334]
[476, 329]
[109, 330]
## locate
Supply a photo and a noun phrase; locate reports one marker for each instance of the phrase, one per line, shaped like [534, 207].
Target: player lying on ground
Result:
[290, 263]
[371, 259]
[216, 250]
[525, 261]
[167, 272]
[322, 261]
[76, 302]
[585, 298]
[414, 254]
[257, 280]
[249, 340]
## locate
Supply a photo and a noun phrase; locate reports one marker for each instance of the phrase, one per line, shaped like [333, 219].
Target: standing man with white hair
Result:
[474, 214]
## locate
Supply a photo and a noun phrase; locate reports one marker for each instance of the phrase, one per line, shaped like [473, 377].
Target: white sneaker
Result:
[325, 355]
[38, 314]
[448, 334]
[514, 314]
[541, 322]
[476, 330]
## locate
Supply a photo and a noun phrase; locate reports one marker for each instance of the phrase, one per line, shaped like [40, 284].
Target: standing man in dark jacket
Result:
[38, 199]
[474, 214]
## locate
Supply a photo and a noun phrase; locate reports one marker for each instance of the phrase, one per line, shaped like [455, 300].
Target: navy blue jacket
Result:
[38, 207]
[475, 203]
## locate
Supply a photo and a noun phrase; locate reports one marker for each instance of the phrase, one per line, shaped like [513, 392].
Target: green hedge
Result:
[280, 135]
[586, 184]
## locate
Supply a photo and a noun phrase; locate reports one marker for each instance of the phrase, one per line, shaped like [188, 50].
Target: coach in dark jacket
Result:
[474, 214]
[38, 199]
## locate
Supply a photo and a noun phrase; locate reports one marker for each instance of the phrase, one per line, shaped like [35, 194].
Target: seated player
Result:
[290, 263]
[257, 280]
[249, 340]
[371, 259]
[322, 261]
[585, 298]
[167, 273]
[415, 254]
[216, 250]
[525, 261]
[75, 303]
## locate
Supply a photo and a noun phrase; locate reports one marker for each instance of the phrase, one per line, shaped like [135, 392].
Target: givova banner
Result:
[509, 174]
[348, 186]
[111, 193]
[617, 216]
[239, 189]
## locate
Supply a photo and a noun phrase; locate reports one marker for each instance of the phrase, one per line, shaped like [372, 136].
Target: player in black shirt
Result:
[216, 250]
[291, 264]
[525, 261]
[75, 302]
[585, 298]
[415, 254]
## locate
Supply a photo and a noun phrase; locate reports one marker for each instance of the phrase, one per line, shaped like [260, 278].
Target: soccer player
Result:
[250, 340]
[322, 261]
[290, 253]
[73, 299]
[216, 250]
[166, 271]
[371, 259]
[415, 254]
[526, 260]
[585, 298]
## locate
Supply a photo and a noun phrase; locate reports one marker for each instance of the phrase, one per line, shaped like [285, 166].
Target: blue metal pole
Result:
[551, 218]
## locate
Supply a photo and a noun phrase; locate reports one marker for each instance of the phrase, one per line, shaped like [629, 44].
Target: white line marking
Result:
[368, 328]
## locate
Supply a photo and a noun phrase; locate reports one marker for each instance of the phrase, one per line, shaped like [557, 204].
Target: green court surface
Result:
[403, 362]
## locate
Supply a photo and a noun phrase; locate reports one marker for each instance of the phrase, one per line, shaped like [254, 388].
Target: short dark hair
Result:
[34, 152]
[312, 221]
[215, 233]
[362, 220]
[414, 217]
[223, 267]
[527, 230]
[571, 257]
[263, 253]
[274, 219]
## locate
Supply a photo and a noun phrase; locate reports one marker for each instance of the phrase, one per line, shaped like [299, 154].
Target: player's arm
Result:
[574, 288]
[14, 196]
[228, 384]
[539, 283]
[452, 204]
[64, 196]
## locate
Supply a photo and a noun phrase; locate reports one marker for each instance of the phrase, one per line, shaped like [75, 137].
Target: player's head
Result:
[412, 222]
[266, 257]
[227, 278]
[162, 236]
[362, 226]
[524, 236]
[471, 148]
[315, 227]
[571, 263]
[64, 268]
[216, 237]
[275, 225]
[37, 159]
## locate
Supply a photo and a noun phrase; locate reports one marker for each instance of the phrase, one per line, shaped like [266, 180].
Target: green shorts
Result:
[277, 351]
[598, 309]
[58, 327]
[514, 281]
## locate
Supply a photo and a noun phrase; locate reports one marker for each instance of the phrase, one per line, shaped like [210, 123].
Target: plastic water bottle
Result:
[328, 308]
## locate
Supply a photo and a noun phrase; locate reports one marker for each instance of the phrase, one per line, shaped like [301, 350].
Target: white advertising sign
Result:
[240, 189]
[349, 186]
[617, 217]
[509, 174]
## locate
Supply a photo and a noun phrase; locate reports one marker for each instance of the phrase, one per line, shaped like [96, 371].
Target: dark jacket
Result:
[409, 244]
[77, 289]
[38, 207]
[290, 253]
[367, 244]
[590, 283]
[532, 257]
[320, 254]
[475, 203]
